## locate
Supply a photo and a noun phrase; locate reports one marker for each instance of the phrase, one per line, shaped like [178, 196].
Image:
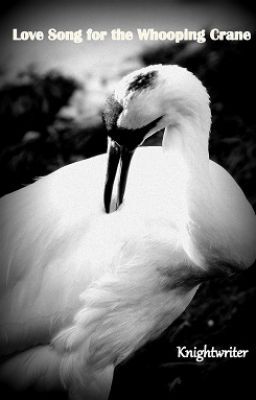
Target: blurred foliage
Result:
[35, 139]
[31, 103]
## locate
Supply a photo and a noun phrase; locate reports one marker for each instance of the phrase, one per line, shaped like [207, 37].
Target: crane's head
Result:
[144, 102]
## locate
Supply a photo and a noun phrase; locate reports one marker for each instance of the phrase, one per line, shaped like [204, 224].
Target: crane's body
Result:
[82, 289]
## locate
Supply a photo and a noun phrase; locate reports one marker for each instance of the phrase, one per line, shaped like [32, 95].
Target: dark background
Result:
[44, 128]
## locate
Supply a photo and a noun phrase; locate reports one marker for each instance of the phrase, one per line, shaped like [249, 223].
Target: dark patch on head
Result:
[142, 81]
[111, 113]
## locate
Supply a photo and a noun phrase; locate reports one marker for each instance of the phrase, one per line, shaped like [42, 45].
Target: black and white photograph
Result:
[127, 199]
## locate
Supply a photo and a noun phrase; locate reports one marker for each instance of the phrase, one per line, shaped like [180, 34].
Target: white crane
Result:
[81, 289]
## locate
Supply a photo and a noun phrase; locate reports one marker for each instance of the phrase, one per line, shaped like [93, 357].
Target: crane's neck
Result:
[185, 145]
[188, 123]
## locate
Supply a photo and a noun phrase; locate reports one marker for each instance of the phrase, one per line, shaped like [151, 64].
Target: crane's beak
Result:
[116, 154]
